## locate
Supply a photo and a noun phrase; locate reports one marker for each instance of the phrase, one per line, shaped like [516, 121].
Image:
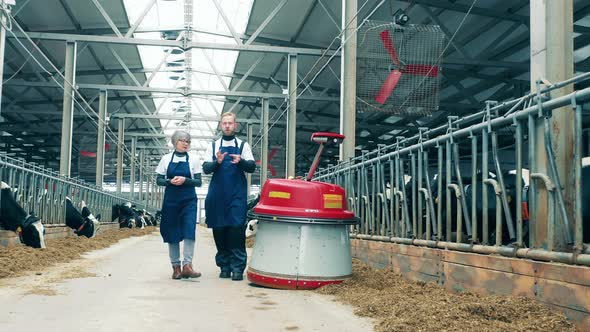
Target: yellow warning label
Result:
[279, 194]
[332, 201]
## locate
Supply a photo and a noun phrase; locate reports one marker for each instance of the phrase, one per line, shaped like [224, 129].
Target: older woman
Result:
[180, 173]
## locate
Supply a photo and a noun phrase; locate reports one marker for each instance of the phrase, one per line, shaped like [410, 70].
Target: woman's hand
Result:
[177, 180]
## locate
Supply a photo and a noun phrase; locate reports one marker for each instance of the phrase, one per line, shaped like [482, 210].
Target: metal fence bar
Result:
[43, 191]
[372, 197]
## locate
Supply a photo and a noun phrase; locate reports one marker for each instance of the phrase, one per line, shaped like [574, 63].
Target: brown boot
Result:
[188, 272]
[176, 274]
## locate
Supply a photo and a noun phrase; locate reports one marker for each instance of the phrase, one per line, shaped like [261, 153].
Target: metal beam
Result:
[227, 22]
[135, 135]
[173, 43]
[120, 146]
[552, 59]
[106, 16]
[264, 144]
[265, 22]
[132, 175]
[330, 15]
[102, 112]
[249, 139]
[2, 48]
[487, 12]
[65, 157]
[176, 91]
[291, 117]
[348, 79]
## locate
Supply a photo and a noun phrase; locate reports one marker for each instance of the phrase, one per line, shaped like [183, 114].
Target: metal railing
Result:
[479, 207]
[43, 192]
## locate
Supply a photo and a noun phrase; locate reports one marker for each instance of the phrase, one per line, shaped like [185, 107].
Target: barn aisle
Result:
[127, 287]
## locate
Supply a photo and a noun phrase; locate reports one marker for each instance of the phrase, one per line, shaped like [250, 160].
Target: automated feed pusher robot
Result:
[302, 241]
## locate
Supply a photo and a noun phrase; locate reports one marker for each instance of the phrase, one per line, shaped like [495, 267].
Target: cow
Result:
[82, 223]
[13, 217]
[138, 217]
[148, 217]
[124, 214]
[252, 225]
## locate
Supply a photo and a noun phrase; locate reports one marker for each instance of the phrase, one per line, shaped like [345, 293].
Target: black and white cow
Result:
[124, 215]
[14, 218]
[158, 217]
[252, 225]
[138, 216]
[149, 218]
[82, 223]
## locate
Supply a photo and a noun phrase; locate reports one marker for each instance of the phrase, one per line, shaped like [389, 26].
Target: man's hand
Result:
[177, 180]
[220, 156]
[235, 158]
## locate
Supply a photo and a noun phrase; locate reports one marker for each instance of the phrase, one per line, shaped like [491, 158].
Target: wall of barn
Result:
[563, 287]
[10, 238]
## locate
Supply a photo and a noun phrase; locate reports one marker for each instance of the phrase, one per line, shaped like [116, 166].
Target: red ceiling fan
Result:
[399, 68]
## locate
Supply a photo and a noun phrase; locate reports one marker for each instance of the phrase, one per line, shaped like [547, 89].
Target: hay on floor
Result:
[401, 305]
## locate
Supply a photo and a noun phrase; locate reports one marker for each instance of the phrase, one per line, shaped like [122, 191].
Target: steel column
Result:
[2, 46]
[102, 113]
[141, 165]
[120, 147]
[249, 138]
[292, 116]
[348, 79]
[264, 144]
[132, 175]
[551, 31]
[65, 158]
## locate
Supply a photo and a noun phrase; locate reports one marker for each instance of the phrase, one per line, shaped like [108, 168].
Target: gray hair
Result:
[178, 135]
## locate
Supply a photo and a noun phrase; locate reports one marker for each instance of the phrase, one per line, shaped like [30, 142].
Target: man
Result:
[225, 205]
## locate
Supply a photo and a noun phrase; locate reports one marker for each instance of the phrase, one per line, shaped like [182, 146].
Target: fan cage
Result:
[415, 93]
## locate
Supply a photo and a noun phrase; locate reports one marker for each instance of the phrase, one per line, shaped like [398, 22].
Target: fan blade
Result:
[388, 44]
[422, 70]
[388, 86]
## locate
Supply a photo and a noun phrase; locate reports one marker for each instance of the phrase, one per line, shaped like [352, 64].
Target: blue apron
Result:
[225, 204]
[179, 210]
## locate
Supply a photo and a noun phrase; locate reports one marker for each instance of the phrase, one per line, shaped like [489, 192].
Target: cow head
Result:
[90, 219]
[75, 220]
[32, 233]
[29, 228]
[251, 228]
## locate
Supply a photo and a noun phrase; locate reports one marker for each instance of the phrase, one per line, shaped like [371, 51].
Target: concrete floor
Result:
[132, 291]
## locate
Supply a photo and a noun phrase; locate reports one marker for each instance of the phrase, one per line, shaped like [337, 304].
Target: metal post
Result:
[2, 46]
[65, 158]
[551, 34]
[264, 144]
[249, 138]
[474, 237]
[484, 188]
[292, 116]
[141, 165]
[348, 78]
[147, 195]
[102, 113]
[132, 176]
[518, 134]
[120, 143]
[578, 219]
[449, 174]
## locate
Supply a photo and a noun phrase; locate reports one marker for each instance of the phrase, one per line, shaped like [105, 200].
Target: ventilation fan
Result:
[398, 68]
